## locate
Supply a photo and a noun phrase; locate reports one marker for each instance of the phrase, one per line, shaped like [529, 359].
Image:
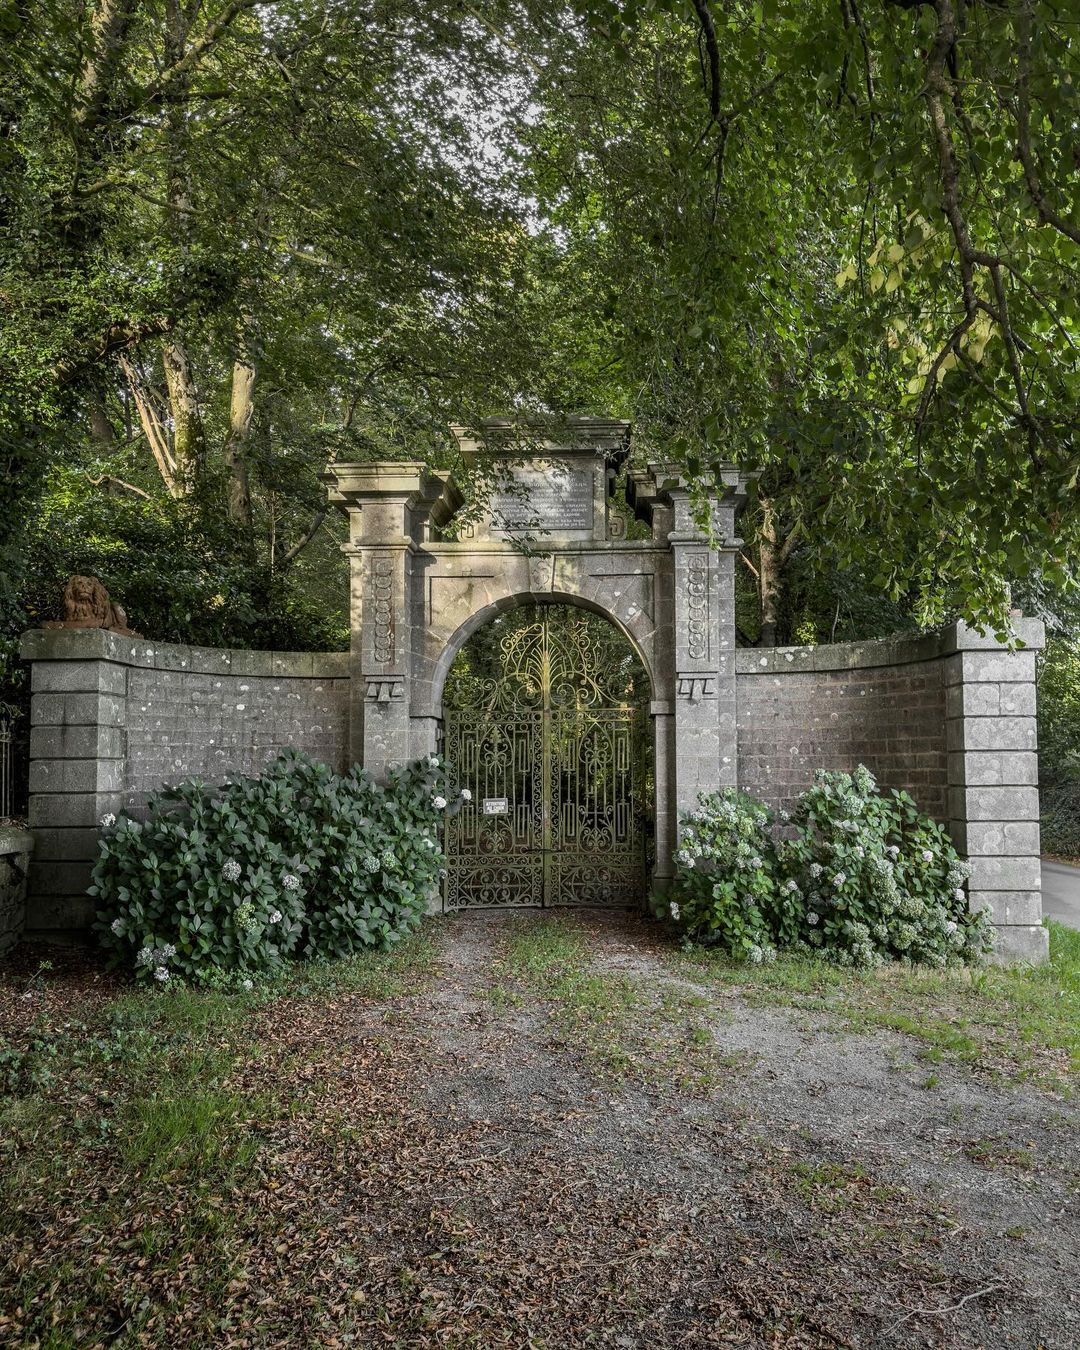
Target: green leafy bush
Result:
[866, 878]
[243, 877]
[727, 891]
[1059, 747]
[880, 879]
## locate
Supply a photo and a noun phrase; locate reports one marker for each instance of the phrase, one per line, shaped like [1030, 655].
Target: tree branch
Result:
[183, 68]
[108, 482]
[306, 538]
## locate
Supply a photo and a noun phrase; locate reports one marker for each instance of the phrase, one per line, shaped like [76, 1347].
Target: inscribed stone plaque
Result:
[550, 499]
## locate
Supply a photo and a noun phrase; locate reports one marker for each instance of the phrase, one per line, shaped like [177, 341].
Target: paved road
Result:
[1061, 892]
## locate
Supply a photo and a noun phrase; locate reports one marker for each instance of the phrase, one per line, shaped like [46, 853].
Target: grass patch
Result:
[1022, 1022]
[994, 1151]
[622, 1026]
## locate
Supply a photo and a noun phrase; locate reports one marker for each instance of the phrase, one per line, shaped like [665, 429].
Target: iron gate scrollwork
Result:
[549, 749]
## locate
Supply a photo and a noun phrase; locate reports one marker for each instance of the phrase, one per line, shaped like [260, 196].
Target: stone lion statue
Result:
[87, 605]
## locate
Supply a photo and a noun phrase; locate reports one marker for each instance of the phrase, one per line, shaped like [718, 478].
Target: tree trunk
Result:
[109, 26]
[241, 412]
[770, 569]
[102, 431]
[189, 441]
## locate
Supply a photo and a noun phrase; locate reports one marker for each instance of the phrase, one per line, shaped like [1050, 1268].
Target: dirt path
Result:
[808, 1192]
[543, 1134]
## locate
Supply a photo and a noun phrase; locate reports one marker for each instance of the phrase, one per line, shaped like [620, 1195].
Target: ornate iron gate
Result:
[548, 750]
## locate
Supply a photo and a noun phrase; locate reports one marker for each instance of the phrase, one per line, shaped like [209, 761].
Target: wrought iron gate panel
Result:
[553, 739]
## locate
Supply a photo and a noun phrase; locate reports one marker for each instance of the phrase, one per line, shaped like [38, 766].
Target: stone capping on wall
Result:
[94, 644]
[897, 650]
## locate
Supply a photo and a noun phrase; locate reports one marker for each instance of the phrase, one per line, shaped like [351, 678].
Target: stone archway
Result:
[424, 577]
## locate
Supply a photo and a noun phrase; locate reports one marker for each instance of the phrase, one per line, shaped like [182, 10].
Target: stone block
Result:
[63, 742]
[60, 878]
[1021, 943]
[66, 844]
[994, 768]
[991, 733]
[330, 665]
[173, 656]
[990, 700]
[958, 637]
[85, 710]
[994, 803]
[76, 775]
[73, 644]
[1005, 873]
[60, 918]
[1009, 907]
[74, 810]
[981, 838]
[99, 677]
[211, 660]
[1002, 667]
[292, 664]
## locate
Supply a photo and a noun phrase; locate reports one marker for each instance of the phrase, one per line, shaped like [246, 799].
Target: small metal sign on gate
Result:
[495, 806]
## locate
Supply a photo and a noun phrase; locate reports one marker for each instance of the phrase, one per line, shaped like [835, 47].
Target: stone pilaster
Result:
[388, 506]
[704, 656]
[991, 737]
[78, 714]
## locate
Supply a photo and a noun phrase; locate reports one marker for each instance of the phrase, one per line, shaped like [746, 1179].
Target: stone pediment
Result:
[541, 489]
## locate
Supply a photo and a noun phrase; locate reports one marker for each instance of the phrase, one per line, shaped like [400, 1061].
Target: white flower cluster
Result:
[157, 958]
[230, 870]
[389, 861]
[839, 879]
[439, 803]
[466, 795]
[893, 852]
[792, 885]
[290, 882]
[927, 856]
[433, 761]
[816, 869]
[275, 916]
[108, 821]
[812, 918]
[675, 911]
[372, 863]
[117, 926]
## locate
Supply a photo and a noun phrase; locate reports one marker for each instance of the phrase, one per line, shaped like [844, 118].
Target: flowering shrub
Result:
[881, 879]
[867, 878]
[727, 890]
[242, 877]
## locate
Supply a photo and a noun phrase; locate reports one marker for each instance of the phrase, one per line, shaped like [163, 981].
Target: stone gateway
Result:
[949, 716]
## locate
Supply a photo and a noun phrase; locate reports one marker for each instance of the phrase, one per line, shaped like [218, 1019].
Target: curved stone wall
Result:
[881, 704]
[950, 717]
[114, 718]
